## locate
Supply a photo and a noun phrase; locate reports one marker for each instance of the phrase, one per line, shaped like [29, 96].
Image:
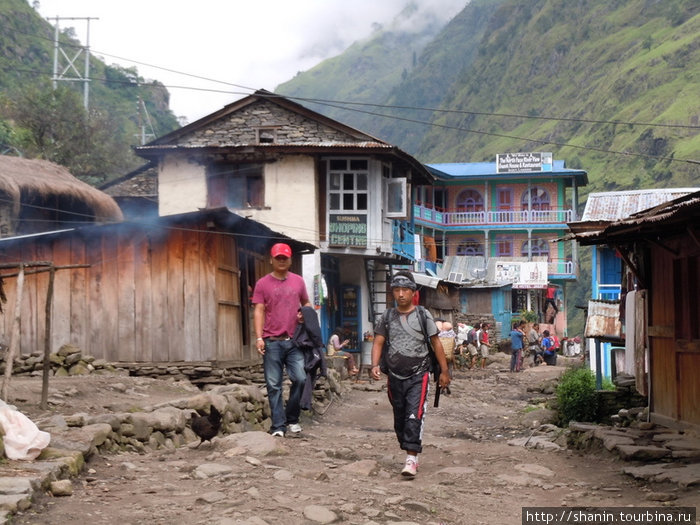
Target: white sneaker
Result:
[295, 428]
[410, 467]
[278, 433]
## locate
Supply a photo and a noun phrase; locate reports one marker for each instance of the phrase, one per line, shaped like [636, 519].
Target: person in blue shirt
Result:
[549, 353]
[517, 336]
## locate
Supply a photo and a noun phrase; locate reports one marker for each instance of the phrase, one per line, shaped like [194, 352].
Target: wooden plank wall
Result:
[149, 295]
[674, 328]
[662, 348]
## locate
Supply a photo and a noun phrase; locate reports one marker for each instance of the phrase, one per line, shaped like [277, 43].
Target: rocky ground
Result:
[344, 466]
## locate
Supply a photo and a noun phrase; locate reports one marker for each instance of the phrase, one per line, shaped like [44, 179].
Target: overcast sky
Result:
[255, 44]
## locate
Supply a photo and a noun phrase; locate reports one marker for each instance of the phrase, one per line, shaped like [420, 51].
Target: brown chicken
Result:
[206, 426]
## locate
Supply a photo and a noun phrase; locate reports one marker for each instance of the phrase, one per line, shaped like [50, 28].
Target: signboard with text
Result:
[347, 230]
[522, 274]
[532, 275]
[523, 162]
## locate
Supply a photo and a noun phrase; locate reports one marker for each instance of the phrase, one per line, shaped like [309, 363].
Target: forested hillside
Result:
[612, 87]
[409, 73]
[37, 121]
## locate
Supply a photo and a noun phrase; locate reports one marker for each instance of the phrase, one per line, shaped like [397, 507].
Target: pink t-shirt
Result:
[282, 300]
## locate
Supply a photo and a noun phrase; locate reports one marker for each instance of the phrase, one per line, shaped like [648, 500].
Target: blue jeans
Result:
[279, 354]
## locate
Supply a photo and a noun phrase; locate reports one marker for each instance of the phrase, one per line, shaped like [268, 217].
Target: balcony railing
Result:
[470, 218]
[562, 268]
[556, 268]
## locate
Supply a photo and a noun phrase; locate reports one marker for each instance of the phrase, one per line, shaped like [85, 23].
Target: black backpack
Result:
[434, 365]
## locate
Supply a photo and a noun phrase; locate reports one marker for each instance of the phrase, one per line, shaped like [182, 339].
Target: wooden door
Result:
[228, 301]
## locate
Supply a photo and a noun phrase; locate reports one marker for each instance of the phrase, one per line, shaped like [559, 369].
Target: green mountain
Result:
[611, 86]
[395, 65]
[37, 121]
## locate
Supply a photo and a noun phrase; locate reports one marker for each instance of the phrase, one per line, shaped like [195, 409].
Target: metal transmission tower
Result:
[69, 71]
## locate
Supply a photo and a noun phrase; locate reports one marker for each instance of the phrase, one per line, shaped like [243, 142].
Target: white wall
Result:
[182, 186]
[291, 201]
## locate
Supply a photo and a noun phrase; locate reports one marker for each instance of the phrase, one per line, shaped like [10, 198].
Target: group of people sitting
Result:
[542, 346]
[472, 345]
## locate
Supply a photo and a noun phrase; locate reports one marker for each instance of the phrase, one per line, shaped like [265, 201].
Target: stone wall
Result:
[496, 331]
[290, 128]
[70, 361]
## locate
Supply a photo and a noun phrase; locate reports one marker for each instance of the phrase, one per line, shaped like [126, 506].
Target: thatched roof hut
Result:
[38, 195]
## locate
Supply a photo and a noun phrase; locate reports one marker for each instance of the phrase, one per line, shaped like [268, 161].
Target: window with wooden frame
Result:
[470, 247]
[538, 200]
[504, 247]
[236, 186]
[540, 248]
[347, 185]
[266, 135]
[470, 201]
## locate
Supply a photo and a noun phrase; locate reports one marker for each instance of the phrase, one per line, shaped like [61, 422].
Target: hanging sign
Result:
[347, 230]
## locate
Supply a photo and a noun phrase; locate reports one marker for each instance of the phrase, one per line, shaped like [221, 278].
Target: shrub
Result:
[576, 396]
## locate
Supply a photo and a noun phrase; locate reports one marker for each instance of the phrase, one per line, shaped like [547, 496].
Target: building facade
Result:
[507, 212]
[309, 177]
[602, 209]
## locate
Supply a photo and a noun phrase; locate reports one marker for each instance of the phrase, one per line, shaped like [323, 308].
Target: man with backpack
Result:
[406, 359]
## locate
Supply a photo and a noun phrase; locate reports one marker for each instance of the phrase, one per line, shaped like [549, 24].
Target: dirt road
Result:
[344, 468]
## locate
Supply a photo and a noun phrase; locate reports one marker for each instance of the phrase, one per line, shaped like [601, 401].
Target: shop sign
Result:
[347, 230]
[522, 274]
[523, 162]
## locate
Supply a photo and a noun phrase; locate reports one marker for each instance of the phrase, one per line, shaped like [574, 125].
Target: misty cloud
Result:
[340, 25]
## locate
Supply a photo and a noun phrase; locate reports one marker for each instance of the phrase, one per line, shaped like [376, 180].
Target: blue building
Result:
[606, 263]
[507, 213]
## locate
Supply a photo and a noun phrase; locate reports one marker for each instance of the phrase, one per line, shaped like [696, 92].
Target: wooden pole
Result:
[47, 343]
[14, 335]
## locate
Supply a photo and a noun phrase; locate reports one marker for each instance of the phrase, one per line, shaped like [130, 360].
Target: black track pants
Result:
[409, 399]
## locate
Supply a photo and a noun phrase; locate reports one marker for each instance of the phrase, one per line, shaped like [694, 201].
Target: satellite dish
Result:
[478, 273]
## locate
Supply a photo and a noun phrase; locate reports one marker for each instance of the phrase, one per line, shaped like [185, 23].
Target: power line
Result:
[467, 130]
[341, 105]
[529, 139]
[331, 102]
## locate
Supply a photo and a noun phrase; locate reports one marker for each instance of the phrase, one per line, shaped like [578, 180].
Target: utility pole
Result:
[70, 72]
[143, 112]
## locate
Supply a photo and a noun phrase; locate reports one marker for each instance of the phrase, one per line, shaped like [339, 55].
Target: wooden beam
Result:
[24, 264]
[631, 265]
[664, 247]
[14, 335]
[693, 234]
[44, 405]
[52, 268]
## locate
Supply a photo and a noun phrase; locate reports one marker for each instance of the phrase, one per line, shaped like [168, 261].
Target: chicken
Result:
[206, 426]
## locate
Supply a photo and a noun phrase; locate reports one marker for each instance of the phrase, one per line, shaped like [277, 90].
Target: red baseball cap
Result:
[281, 249]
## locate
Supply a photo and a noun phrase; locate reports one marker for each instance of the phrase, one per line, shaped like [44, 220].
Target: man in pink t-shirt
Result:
[277, 297]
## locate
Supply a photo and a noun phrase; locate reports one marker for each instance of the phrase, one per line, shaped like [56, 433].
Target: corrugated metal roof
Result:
[300, 144]
[426, 280]
[461, 268]
[664, 219]
[463, 170]
[616, 205]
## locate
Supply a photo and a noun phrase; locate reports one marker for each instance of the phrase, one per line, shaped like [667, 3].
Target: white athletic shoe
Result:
[410, 467]
[278, 433]
[295, 428]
